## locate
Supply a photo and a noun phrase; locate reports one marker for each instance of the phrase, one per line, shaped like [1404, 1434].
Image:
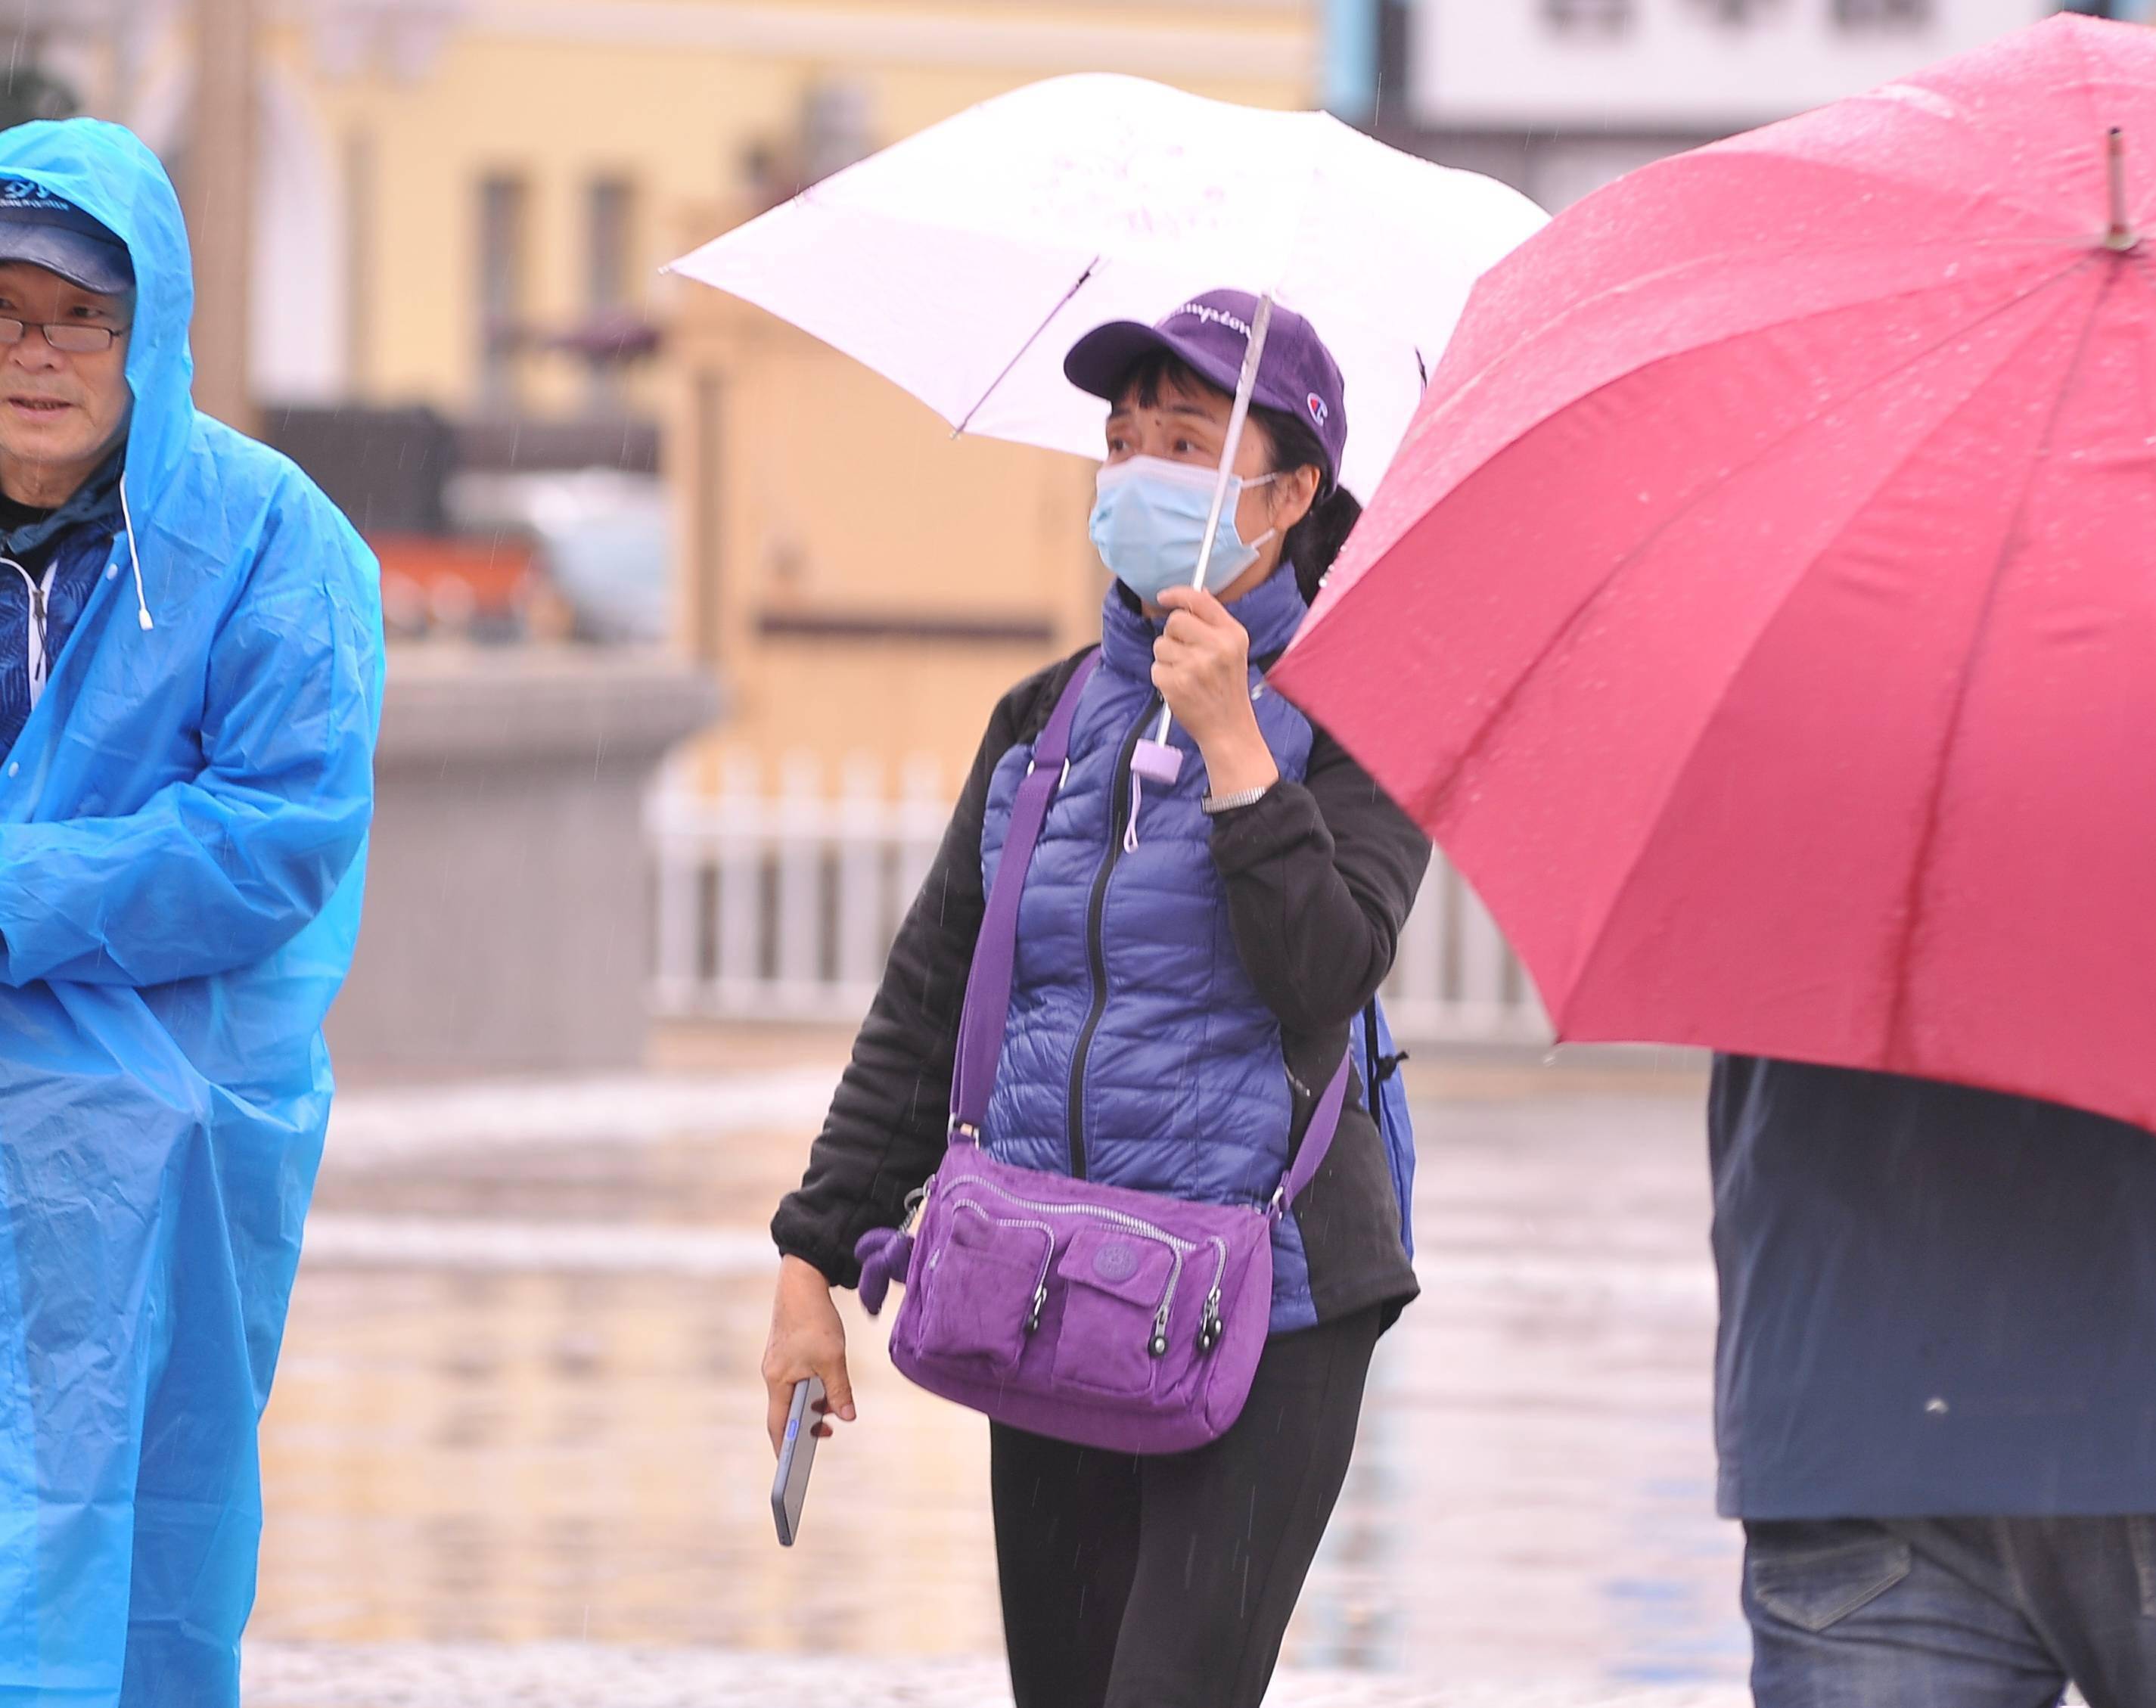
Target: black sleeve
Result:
[884, 1134]
[1320, 877]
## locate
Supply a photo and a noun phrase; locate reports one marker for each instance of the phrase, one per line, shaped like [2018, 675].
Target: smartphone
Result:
[789, 1487]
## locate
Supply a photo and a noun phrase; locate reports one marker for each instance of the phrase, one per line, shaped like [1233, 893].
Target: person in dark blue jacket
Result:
[1936, 1389]
[1190, 960]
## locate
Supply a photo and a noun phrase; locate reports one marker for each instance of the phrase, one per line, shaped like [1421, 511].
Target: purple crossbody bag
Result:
[1127, 1321]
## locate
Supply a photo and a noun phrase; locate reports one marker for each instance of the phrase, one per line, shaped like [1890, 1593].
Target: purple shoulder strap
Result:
[1316, 1139]
[988, 986]
[986, 1011]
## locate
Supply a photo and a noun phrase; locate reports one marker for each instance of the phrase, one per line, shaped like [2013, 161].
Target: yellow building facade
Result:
[451, 193]
[652, 116]
[863, 584]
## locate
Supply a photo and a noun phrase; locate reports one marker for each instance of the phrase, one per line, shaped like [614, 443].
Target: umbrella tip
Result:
[2122, 236]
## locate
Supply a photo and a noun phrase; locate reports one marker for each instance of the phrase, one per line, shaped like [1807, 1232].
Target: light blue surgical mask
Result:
[1149, 522]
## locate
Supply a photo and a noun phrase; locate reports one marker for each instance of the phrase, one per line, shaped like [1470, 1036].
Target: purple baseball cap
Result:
[46, 231]
[1296, 375]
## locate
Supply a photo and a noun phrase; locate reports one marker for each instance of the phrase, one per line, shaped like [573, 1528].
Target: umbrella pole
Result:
[1155, 760]
[2122, 236]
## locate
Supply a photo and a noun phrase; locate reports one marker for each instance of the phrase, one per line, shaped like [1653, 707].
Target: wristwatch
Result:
[1214, 805]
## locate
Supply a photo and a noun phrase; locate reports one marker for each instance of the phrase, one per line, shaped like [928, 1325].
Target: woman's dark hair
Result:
[1313, 543]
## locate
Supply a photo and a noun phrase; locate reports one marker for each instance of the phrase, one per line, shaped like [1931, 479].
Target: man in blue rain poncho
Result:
[190, 682]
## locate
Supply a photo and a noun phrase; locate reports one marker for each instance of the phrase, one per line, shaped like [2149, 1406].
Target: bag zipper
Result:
[1157, 1346]
[1210, 1325]
[1096, 951]
[1040, 1286]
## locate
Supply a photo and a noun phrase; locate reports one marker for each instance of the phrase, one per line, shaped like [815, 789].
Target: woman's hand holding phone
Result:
[807, 1338]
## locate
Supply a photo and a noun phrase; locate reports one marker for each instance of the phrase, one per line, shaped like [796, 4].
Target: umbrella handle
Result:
[2122, 236]
[1246, 383]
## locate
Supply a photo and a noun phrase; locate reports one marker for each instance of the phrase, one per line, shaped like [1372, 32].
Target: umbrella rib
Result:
[1032, 339]
[1766, 628]
[1913, 912]
[2098, 124]
[1435, 801]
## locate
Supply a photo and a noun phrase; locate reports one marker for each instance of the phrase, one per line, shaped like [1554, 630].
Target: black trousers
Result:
[1168, 1583]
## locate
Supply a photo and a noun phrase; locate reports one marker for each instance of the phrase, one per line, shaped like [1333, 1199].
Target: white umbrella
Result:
[963, 262]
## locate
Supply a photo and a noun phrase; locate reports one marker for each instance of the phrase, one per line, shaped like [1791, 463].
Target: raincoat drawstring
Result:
[135, 557]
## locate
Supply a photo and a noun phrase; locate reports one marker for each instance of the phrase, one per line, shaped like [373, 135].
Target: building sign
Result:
[1676, 65]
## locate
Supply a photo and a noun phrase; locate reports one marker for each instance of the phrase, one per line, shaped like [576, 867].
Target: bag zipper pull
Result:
[1158, 1346]
[1039, 1305]
[1209, 1324]
[914, 1200]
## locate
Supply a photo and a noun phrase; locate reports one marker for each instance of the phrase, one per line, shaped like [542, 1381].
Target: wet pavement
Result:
[516, 1454]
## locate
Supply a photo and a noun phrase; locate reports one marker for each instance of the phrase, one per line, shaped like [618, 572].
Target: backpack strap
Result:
[1372, 1063]
[988, 984]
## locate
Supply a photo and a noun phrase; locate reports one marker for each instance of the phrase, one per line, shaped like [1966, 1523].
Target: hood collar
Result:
[1272, 612]
[96, 500]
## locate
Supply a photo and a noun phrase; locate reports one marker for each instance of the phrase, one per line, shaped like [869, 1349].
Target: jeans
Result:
[1971, 1613]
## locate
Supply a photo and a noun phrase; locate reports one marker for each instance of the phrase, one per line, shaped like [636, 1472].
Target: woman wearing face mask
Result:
[1191, 955]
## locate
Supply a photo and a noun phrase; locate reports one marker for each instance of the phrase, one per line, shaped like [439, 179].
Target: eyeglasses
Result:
[72, 337]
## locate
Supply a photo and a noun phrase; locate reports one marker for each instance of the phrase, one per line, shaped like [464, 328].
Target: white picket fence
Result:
[781, 904]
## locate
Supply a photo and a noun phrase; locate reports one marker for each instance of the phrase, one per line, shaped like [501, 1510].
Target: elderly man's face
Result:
[61, 409]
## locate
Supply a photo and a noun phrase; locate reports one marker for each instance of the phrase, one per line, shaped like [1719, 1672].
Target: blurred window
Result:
[504, 226]
[1606, 17]
[1883, 15]
[610, 217]
[1739, 11]
[835, 127]
[611, 213]
[362, 184]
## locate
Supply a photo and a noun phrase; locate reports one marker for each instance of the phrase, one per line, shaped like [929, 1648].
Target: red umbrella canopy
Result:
[1762, 609]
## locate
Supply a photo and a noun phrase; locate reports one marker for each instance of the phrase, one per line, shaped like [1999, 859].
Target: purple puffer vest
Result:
[1122, 1320]
[1139, 1053]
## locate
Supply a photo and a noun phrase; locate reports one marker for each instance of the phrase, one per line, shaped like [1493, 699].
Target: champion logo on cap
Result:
[1319, 414]
[1212, 317]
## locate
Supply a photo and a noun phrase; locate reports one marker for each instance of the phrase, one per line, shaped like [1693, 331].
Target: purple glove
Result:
[884, 1255]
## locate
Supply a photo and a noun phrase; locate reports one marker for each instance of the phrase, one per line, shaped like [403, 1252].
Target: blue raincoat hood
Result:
[183, 826]
[106, 170]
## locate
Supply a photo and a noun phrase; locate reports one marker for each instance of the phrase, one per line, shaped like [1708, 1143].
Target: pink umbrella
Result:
[1761, 610]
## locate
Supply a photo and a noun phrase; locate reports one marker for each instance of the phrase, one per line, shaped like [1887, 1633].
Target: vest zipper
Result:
[38, 660]
[1096, 952]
